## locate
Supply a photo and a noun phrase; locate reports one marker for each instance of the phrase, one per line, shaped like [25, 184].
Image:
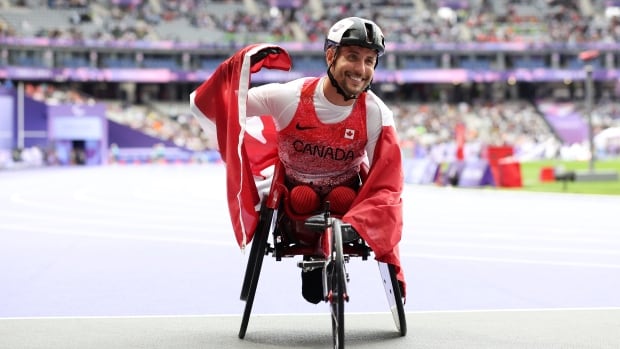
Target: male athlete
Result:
[326, 129]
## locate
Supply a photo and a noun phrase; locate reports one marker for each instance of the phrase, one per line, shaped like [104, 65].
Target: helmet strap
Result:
[337, 86]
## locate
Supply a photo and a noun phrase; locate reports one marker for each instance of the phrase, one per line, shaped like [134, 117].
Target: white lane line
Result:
[405, 254]
[116, 236]
[513, 261]
[448, 244]
[412, 312]
[518, 310]
[75, 207]
[59, 231]
[156, 221]
[607, 228]
[166, 197]
[414, 238]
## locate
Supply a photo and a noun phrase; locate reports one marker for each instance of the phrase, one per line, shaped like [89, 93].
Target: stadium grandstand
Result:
[513, 72]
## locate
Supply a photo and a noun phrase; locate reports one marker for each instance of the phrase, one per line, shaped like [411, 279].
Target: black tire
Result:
[264, 220]
[400, 308]
[255, 263]
[394, 296]
[337, 283]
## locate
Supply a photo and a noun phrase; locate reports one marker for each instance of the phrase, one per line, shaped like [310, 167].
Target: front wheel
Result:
[255, 263]
[394, 296]
[337, 286]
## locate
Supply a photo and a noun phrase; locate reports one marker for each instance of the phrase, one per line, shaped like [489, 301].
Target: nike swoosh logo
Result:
[301, 128]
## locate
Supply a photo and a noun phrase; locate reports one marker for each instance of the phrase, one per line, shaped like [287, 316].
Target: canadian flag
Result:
[349, 133]
[214, 104]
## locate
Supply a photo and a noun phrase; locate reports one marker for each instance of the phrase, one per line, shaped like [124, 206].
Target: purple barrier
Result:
[452, 173]
[454, 4]
[151, 155]
[161, 154]
[127, 137]
[78, 132]
[7, 118]
[476, 173]
[570, 127]
[164, 75]
[133, 146]
[127, 2]
[566, 122]
[35, 123]
[420, 171]
[286, 4]
[75, 121]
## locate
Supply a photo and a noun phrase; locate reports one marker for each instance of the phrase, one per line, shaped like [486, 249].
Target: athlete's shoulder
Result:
[297, 83]
[376, 108]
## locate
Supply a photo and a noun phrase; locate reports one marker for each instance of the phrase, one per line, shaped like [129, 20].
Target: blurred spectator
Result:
[520, 20]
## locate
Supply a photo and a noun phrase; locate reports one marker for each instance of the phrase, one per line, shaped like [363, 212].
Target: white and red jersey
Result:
[318, 154]
[281, 100]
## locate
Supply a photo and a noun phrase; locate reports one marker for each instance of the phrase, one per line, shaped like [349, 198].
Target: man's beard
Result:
[347, 85]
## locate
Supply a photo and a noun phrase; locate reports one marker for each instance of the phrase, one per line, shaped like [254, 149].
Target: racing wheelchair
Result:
[327, 251]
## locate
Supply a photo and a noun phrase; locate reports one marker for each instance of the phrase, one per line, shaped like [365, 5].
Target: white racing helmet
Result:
[356, 31]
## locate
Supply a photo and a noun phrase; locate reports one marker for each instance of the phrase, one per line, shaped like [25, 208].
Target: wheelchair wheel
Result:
[337, 286]
[264, 217]
[394, 296]
[255, 263]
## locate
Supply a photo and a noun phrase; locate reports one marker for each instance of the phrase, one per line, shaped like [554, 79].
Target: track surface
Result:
[143, 256]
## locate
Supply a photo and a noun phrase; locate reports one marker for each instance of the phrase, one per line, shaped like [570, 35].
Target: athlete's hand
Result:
[262, 54]
[270, 57]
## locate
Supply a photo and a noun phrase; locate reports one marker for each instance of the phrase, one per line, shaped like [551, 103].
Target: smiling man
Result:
[327, 129]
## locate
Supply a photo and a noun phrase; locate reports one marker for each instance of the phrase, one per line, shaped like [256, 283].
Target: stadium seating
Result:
[426, 110]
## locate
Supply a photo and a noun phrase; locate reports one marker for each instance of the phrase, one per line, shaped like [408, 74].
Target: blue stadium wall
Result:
[57, 128]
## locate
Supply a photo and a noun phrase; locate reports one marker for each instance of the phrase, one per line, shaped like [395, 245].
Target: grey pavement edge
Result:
[549, 329]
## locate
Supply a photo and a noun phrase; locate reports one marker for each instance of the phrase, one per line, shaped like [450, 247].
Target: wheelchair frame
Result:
[333, 255]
